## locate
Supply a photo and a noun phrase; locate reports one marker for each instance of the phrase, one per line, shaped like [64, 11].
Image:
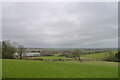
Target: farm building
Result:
[27, 54]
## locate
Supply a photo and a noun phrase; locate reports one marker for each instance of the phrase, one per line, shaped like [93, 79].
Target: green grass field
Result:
[57, 54]
[98, 56]
[51, 57]
[58, 69]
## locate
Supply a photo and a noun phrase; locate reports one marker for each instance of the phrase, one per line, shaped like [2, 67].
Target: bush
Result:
[113, 57]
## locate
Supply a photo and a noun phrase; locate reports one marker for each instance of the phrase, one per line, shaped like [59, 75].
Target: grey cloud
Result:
[61, 25]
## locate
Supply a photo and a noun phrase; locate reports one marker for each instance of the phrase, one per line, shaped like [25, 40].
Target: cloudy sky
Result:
[61, 25]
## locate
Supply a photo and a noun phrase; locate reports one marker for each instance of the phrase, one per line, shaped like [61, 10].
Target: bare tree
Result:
[8, 49]
[77, 53]
[21, 50]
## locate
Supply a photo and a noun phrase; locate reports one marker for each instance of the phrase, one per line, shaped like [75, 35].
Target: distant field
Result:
[51, 57]
[57, 54]
[98, 56]
[58, 69]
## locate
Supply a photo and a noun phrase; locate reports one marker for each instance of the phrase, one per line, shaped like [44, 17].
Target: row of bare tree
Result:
[9, 48]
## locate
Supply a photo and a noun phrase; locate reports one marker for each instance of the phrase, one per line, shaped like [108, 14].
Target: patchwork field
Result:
[58, 69]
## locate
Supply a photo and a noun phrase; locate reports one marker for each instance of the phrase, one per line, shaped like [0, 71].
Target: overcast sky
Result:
[61, 25]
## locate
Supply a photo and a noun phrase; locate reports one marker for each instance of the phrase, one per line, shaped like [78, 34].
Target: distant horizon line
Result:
[70, 48]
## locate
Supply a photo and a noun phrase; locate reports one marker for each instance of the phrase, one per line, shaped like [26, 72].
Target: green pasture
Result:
[51, 57]
[57, 54]
[13, 68]
[98, 56]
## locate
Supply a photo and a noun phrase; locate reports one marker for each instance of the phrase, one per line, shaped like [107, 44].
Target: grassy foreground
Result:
[57, 69]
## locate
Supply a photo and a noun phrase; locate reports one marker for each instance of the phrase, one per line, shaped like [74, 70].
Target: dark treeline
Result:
[113, 57]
